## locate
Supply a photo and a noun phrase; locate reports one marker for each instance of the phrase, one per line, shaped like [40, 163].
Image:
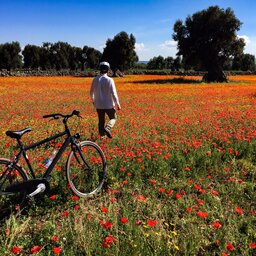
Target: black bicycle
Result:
[85, 168]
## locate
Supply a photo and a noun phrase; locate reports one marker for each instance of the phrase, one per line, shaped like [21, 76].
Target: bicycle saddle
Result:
[18, 134]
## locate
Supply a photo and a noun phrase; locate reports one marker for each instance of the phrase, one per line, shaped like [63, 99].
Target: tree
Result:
[60, 55]
[93, 57]
[31, 56]
[208, 39]
[120, 52]
[156, 63]
[46, 56]
[244, 62]
[10, 57]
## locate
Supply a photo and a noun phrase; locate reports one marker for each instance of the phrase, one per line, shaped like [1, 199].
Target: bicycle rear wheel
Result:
[86, 169]
[10, 201]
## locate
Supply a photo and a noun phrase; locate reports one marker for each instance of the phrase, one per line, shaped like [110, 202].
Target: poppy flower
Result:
[152, 223]
[252, 245]
[35, 249]
[106, 224]
[124, 220]
[16, 249]
[75, 198]
[239, 211]
[125, 182]
[53, 197]
[104, 209]
[202, 214]
[55, 238]
[230, 247]
[216, 224]
[64, 214]
[57, 250]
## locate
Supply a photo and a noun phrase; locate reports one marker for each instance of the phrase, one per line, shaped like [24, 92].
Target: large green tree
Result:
[10, 57]
[120, 52]
[93, 56]
[31, 56]
[207, 39]
[244, 62]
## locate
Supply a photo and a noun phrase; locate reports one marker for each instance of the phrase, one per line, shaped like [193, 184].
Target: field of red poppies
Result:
[181, 168]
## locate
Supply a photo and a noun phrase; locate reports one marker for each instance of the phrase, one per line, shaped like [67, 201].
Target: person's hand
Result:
[119, 107]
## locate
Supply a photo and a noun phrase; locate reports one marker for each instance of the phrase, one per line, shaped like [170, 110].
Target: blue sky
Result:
[91, 23]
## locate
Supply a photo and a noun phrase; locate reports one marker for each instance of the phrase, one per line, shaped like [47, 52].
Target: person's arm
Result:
[115, 96]
[92, 91]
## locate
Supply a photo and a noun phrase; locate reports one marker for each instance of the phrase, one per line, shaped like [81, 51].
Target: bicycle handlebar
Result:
[57, 115]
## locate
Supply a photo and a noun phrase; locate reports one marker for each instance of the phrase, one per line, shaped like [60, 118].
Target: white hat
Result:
[104, 63]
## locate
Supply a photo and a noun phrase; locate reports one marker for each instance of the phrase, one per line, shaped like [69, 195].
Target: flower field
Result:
[181, 168]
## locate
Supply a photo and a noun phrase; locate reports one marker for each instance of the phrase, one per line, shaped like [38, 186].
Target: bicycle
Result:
[85, 168]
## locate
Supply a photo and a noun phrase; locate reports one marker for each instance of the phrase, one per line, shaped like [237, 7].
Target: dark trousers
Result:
[111, 113]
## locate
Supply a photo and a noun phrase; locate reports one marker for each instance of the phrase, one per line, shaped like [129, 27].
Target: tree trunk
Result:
[215, 75]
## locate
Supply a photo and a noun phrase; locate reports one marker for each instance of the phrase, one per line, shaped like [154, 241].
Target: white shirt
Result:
[103, 92]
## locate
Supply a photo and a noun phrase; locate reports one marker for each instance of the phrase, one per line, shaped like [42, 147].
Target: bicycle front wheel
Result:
[86, 169]
[10, 201]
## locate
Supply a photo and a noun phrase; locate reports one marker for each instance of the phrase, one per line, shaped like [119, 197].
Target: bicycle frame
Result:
[24, 149]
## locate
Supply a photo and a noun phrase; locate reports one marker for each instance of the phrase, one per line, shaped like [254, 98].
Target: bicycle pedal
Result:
[40, 189]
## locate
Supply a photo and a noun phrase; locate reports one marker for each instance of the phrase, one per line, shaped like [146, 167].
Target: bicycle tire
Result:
[10, 202]
[86, 178]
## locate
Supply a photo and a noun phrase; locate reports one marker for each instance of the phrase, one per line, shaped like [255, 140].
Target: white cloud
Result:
[140, 47]
[169, 44]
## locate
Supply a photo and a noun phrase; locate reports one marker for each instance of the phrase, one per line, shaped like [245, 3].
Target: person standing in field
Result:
[104, 96]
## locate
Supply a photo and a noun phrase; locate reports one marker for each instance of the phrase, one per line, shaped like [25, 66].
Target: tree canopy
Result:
[120, 52]
[207, 39]
[10, 56]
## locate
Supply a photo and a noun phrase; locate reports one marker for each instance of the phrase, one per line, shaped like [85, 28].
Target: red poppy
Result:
[252, 245]
[161, 190]
[152, 223]
[35, 249]
[55, 238]
[53, 197]
[57, 250]
[77, 207]
[169, 192]
[125, 182]
[239, 211]
[199, 201]
[178, 196]
[202, 214]
[112, 199]
[64, 214]
[216, 224]
[75, 198]
[16, 249]
[104, 209]
[214, 193]
[106, 224]
[141, 198]
[188, 210]
[230, 247]
[124, 220]
[110, 239]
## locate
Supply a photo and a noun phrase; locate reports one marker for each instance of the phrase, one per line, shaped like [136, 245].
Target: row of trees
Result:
[242, 62]
[119, 52]
[60, 55]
